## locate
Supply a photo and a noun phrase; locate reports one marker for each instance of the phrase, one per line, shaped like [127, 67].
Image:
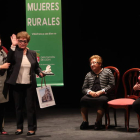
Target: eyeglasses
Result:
[24, 41]
[94, 63]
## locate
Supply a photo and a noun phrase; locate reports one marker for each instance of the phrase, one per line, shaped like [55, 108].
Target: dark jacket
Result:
[15, 58]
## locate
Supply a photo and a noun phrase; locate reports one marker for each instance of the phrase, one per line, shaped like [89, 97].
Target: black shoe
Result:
[18, 132]
[3, 132]
[97, 126]
[30, 133]
[84, 125]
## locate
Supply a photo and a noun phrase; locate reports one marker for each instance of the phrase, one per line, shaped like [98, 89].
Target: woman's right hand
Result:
[136, 86]
[5, 66]
[93, 94]
[14, 40]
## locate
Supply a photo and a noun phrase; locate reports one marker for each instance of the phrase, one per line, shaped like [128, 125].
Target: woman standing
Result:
[3, 73]
[22, 77]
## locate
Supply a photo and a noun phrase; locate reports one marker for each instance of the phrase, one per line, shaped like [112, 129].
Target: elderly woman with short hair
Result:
[22, 78]
[97, 84]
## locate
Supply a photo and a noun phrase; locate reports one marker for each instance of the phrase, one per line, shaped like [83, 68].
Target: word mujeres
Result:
[43, 6]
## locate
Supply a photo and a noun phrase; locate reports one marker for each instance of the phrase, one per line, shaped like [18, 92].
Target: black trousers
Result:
[136, 106]
[97, 102]
[25, 93]
[2, 112]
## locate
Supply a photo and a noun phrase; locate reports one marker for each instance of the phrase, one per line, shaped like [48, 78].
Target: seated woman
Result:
[136, 104]
[97, 84]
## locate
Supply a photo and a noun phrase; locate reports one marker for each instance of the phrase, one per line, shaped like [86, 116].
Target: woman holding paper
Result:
[22, 77]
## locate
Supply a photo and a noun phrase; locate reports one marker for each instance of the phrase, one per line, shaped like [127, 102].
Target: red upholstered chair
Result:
[129, 79]
[116, 74]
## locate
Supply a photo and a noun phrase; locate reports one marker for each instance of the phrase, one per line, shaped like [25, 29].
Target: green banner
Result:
[43, 23]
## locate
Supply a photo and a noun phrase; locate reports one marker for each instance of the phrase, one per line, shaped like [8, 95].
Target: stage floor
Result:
[63, 124]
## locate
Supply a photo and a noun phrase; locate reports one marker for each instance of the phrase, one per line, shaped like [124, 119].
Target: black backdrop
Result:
[111, 30]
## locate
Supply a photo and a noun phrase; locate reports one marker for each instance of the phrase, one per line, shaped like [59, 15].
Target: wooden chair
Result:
[116, 74]
[129, 79]
[131, 76]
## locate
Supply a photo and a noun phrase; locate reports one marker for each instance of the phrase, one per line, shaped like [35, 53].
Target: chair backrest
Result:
[116, 74]
[129, 79]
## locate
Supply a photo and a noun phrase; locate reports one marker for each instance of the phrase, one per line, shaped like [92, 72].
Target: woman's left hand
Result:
[136, 86]
[41, 74]
[98, 93]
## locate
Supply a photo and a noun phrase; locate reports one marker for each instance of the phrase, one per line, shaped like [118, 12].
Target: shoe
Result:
[97, 126]
[84, 125]
[3, 132]
[18, 132]
[30, 133]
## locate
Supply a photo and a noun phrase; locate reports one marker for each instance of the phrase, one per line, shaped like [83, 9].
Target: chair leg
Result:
[125, 118]
[107, 118]
[138, 122]
[127, 115]
[114, 110]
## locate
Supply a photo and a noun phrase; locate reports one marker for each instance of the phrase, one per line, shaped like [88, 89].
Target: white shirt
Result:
[24, 72]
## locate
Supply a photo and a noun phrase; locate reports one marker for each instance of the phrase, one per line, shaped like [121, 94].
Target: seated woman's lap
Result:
[136, 106]
[89, 101]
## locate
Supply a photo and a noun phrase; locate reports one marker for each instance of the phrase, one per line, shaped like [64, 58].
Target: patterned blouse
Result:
[106, 77]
